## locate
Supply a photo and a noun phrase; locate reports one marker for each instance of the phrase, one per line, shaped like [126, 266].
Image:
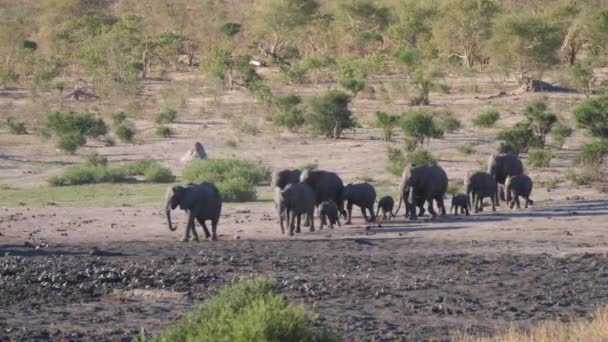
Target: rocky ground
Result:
[365, 289]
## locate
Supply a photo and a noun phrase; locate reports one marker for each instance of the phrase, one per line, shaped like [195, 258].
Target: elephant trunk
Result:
[168, 213]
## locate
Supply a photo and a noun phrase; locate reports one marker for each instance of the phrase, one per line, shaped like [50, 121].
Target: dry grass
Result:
[583, 330]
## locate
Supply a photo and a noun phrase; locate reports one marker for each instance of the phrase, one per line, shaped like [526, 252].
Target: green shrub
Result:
[538, 157]
[237, 190]
[466, 149]
[158, 174]
[582, 177]
[220, 170]
[449, 123]
[164, 131]
[486, 119]
[540, 119]
[520, 137]
[108, 141]
[291, 119]
[124, 131]
[95, 159]
[592, 154]
[166, 116]
[231, 142]
[396, 161]
[387, 123]
[559, 133]
[420, 126]
[353, 85]
[139, 167]
[330, 115]
[88, 174]
[421, 157]
[230, 29]
[70, 142]
[119, 117]
[16, 127]
[250, 310]
[592, 115]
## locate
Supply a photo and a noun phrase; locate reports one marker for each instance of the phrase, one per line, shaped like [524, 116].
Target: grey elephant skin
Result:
[460, 202]
[386, 205]
[282, 178]
[362, 195]
[293, 202]
[326, 186]
[516, 186]
[480, 185]
[427, 182]
[201, 202]
[502, 165]
[328, 210]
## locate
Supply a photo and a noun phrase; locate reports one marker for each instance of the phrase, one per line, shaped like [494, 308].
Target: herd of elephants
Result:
[298, 193]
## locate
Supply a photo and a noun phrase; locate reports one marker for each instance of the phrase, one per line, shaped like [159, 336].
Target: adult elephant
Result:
[201, 202]
[478, 186]
[326, 185]
[293, 202]
[427, 182]
[282, 178]
[502, 165]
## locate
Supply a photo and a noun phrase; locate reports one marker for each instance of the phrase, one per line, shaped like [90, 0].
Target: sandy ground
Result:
[106, 273]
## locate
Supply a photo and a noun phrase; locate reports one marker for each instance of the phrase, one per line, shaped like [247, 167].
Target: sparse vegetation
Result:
[95, 159]
[166, 116]
[421, 157]
[97, 170]
[560, 133]
[592, 115]
[387, 123]
[15, 127]
[592, 154]
[232, 142]
[164, 131]
[250, 309]
[466, 149]
[539, 157]
[330, 115]
[396, 161]
[540, 120]
[486, 119]
[519, 138]
[123, 128]
[448, 122]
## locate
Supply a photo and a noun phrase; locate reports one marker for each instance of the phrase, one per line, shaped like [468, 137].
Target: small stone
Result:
[237, 237]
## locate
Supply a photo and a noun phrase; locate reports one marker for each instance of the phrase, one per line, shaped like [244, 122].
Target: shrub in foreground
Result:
[237, 190]
[251, 310]
[88, 174]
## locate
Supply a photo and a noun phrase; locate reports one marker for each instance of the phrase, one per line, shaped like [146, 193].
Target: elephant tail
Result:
[377, 210]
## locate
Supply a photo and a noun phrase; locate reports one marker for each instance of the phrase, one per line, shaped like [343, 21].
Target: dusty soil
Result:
[106, 273]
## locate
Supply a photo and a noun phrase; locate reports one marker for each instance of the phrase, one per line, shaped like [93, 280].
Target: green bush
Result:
[538, 157]
[540, 119]
[16, 127]
[236, 179]
[520, 137]
[559, 133]
[250, 310]
[449, 123]
[291, 119]
[387, 123]
[592, 154]
[237, 190]
[124, 131]
[166, 116]
[466, 149]
[330, 114]
[119, 117]
[70, 142]
[164, 131]
[88, 174]
[396, 161]
[421, 157]
[486, 119]
[158, 174]
[420, 126]
[353, 85]
[95, 159]
[592, 115]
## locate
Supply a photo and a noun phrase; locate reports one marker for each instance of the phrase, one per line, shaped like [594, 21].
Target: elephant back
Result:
[506, 165]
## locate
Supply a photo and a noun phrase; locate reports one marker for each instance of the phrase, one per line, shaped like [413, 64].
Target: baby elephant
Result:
[516, 186]
[460, 201]
[329, 210]
[362, 195]
[386, 204]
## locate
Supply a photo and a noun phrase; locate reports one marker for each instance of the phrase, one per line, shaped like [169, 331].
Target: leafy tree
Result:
[420, 126]
[330, 115]
[519, 138]
[592, 115]
[464, 27]
[526, 46]
[72, 129]
[288, 112]
[353, 85]
[582, 73]
[559, 133]
[414, 25]
[387, 123]
[361, 23]
[540, 120]
[423, 78]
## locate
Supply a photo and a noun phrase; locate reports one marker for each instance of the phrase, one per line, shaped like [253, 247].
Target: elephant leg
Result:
[338, 220]
[292, 222]
[517, 201]
[364, 214]
[321, 225]
[466, 210]
[312, 220]
[202, 222]
[526, 203]
[194, 233]
[493, 203]
[430, 207]
[189, 226]
[441, 205]
[476, 203]
[214, 229]
[349, 209]
[281, 223]
[298, 218]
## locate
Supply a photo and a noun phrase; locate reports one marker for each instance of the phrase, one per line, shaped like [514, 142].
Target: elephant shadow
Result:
[23, 251]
